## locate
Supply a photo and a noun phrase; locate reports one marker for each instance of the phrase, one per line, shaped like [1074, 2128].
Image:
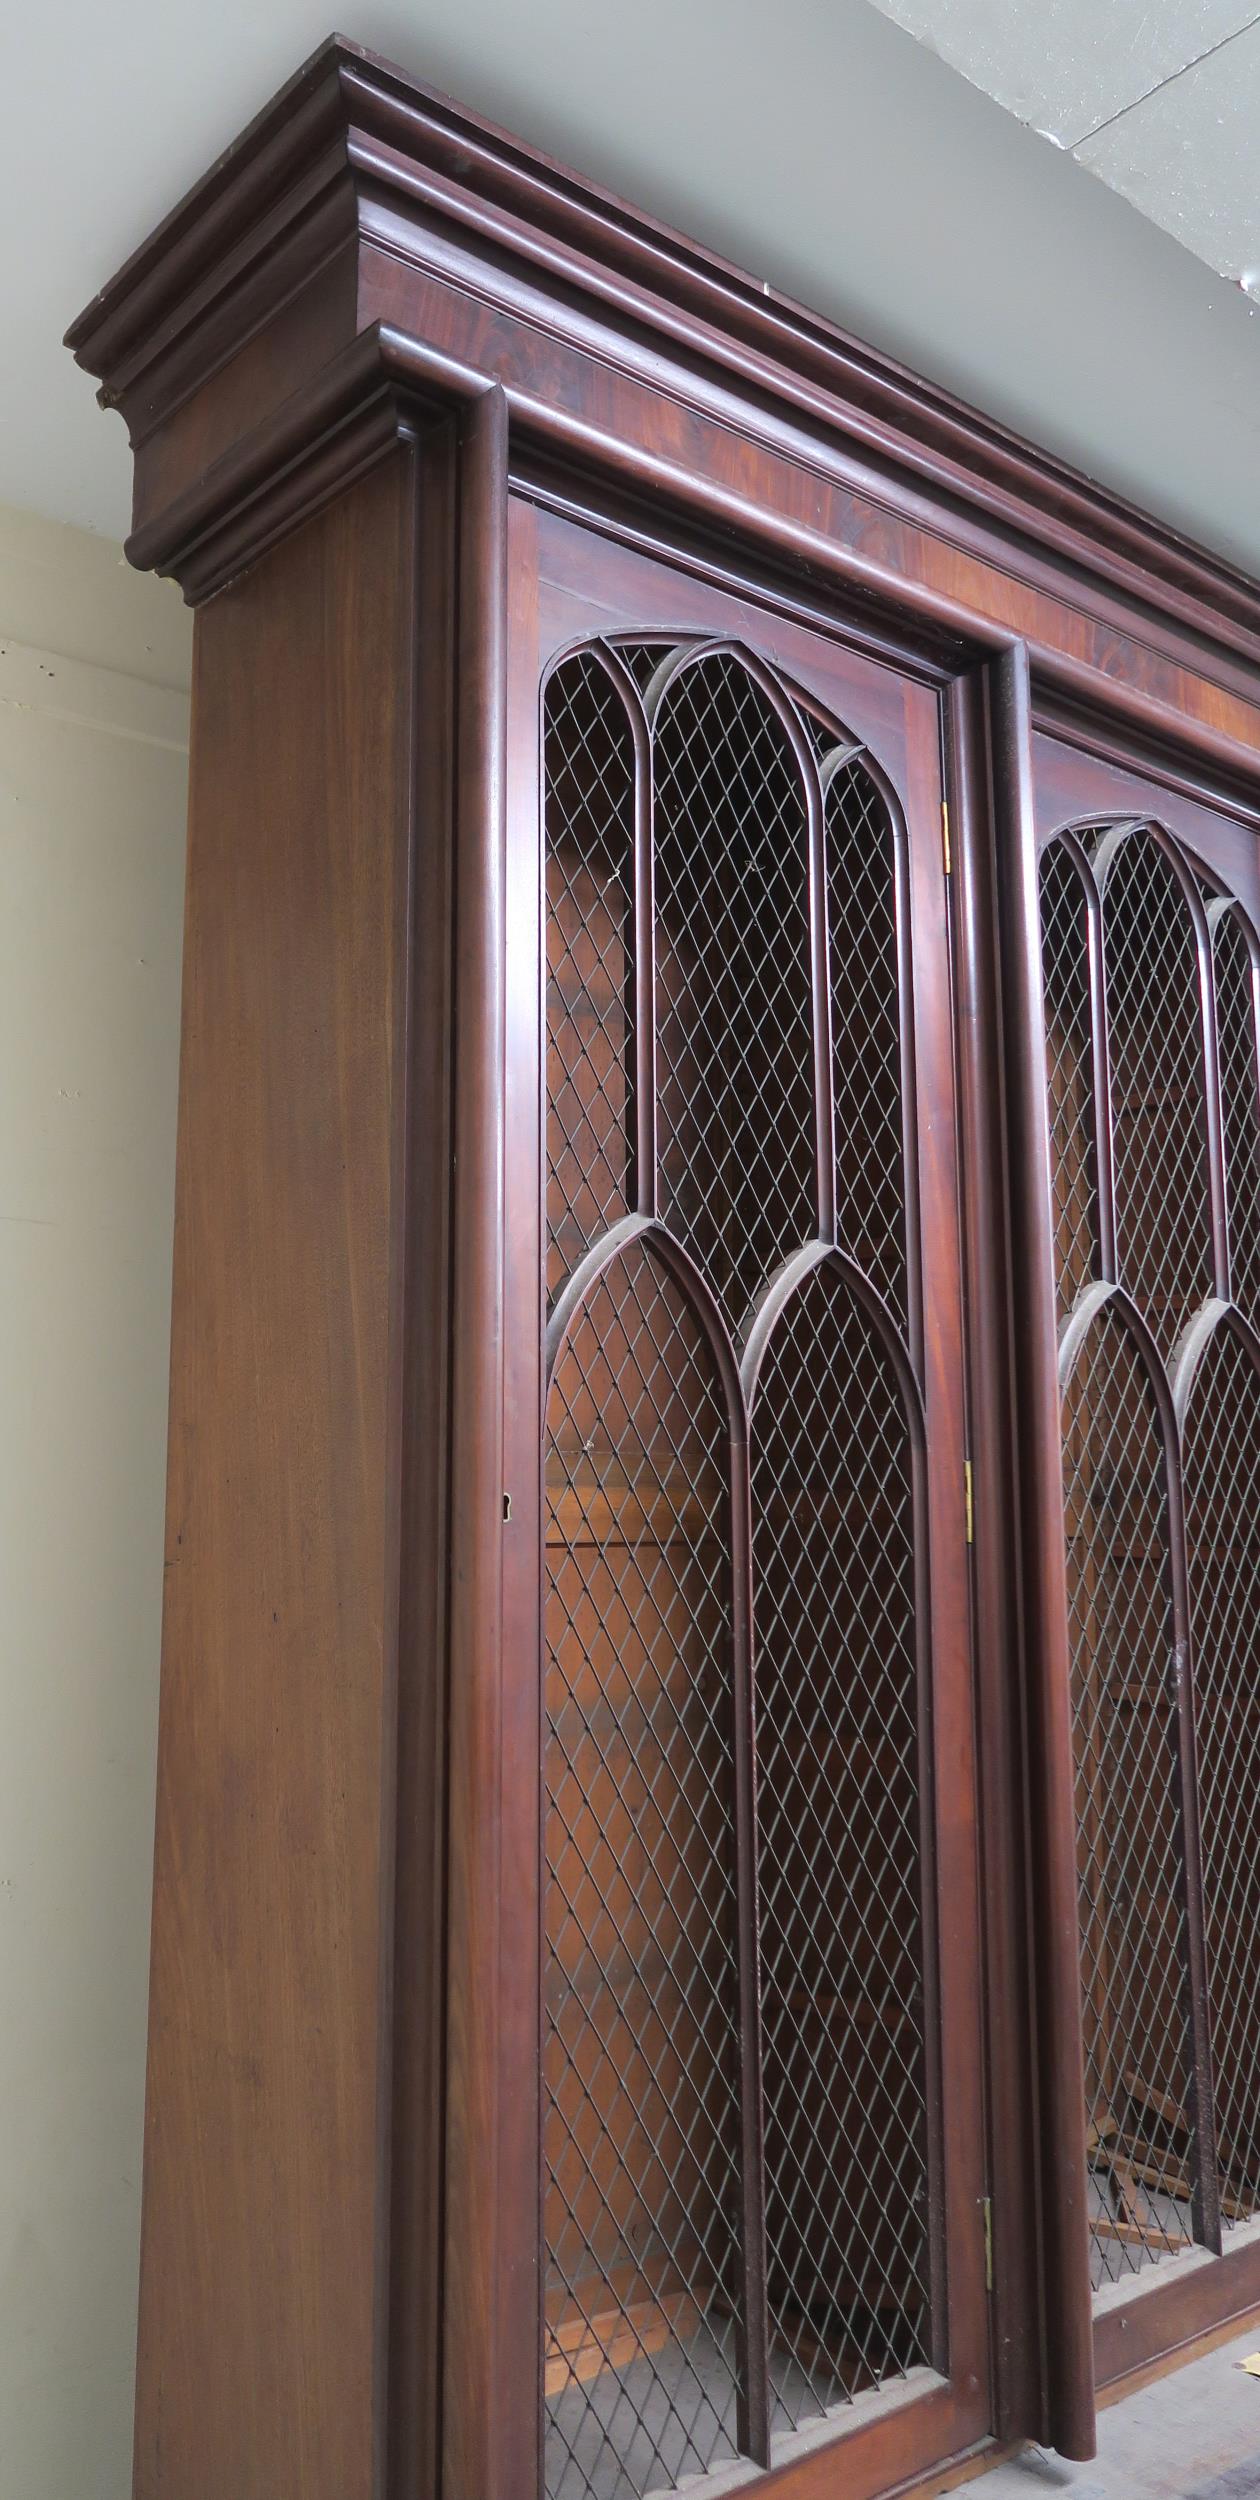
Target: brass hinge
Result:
[967, 1497]
[986, 2208]
[945, 836]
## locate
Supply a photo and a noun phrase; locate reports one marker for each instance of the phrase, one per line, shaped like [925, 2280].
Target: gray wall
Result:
[93, 771]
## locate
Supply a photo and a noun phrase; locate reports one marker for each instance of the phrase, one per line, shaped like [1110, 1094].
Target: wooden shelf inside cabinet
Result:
[598, 1502]
[581, 2348]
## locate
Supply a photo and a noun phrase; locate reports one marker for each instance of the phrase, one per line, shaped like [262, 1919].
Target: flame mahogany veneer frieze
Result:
[356, 192]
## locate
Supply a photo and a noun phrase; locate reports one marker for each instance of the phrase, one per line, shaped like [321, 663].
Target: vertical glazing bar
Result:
[644, 979]
[1212, 1114]
[472, 2463]
[820, 1000]
[1205, 2197]
[911, 1219]
[642, 1000]
[1104, 1159]
[1070, 2420]
[753, 2400]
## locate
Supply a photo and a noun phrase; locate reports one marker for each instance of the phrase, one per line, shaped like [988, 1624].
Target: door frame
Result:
[1079, 771]
[897, 2436]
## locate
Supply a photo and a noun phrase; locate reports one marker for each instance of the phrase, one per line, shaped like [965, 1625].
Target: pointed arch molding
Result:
[568, 666]
[856, 859]
[1202, 1384]
[1067, 846]
[739, 874]
[1218, 1402]
[1120, 1245]
[660, 1244]
[1237, 1005]
[844, 1791]
[1105, 1306]
[671, 1264]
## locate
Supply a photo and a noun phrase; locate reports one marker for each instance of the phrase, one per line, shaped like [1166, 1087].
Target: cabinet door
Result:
[750, 2150]
[1151, 971]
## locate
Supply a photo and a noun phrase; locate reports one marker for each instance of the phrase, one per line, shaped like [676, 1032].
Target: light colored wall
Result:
[93, 732]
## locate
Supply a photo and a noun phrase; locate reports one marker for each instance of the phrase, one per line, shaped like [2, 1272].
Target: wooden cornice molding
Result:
[288, 318]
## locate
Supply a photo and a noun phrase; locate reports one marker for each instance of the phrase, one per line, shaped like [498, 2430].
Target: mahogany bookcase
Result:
[705, 1918]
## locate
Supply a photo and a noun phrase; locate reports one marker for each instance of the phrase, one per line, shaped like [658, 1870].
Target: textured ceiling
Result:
[1161, 98]
[813, 141]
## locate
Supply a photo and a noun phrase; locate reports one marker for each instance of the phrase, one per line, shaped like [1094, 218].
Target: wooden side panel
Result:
[266, 2170]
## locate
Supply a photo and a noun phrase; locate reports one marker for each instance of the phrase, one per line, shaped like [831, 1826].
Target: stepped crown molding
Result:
[292, 312]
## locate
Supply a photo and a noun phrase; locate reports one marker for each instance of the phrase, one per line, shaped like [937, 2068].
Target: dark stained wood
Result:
[411, 2430]
[1162, 2317]
[261, 2356]
[1065, 2259]
[1002, 1701]
[517, 2394]
[587, 586]
[473, 2460]
[412, 410]
[1174, 2307]
[421, 181]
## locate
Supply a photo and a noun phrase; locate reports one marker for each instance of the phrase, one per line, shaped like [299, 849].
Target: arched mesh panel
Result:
[1158, 1106]
[641, 2127]
[866, 1043]
[1222, 1498]
[589, 779]
[657, 2067]
[1070, 1071]
[1240, 1105]
[1129, 1847]
[839, 1800]
[734, 1028]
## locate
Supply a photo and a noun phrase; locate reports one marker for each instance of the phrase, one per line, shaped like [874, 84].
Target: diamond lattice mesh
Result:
[1129, 1861]
[1240, 1106]
[1070, 1072]
[734, 1032]
[644, 658]
[640, 2087]
[1222, 1497]
[866, 1029]
[1155, 1041]
[841, 1926]
[819, 730]
[589, 768]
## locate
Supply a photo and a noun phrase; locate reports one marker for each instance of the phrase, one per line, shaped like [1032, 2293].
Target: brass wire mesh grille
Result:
[644, 658]
[1222, 1495]
[734, 1029]
[1158, 1108]
[841, 1929]
[866, 1030]
[1129, 1861]
[1240, 1105]
[651, 2212]
[589, 777]
[1070, 1071]
[1165, 1823]
[820, 733]
[641, 2142]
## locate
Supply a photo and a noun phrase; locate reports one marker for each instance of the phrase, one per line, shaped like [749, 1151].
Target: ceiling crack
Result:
[1170, 81]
